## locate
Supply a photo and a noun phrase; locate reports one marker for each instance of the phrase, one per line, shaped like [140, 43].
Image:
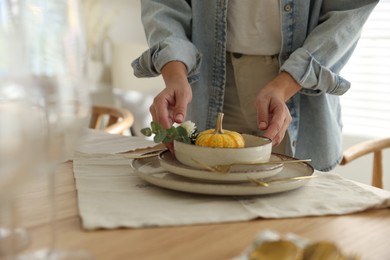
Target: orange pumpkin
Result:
[219, 137]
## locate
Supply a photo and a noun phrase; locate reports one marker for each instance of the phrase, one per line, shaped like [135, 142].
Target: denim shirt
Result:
[318, 37]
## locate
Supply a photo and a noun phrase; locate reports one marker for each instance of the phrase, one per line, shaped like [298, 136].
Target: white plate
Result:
[239, 173]
[150, 170]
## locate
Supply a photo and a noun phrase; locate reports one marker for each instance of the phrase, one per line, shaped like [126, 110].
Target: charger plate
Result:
[151, 171]
[239, 173]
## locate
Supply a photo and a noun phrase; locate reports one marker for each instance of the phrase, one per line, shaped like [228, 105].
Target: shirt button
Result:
[287, 8]
[286, 56]
[237, 55]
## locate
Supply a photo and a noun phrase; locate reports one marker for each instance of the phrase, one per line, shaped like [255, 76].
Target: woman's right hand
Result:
[170, 105]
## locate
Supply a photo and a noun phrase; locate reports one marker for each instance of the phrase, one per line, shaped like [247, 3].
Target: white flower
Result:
[189, 127]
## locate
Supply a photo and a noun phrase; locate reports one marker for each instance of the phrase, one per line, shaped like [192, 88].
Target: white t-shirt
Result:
[254, 27]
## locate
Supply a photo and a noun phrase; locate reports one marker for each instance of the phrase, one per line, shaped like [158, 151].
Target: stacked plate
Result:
[167, 172]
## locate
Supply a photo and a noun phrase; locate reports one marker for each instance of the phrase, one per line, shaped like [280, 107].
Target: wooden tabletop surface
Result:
[366, 234]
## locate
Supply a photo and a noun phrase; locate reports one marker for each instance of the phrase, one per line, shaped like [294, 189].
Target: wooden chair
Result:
[111, 119]
[371, 146]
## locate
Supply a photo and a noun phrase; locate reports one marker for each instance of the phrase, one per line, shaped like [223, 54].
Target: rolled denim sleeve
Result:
[315, 63]
[314, 77]
[149, 64]
[167, 27]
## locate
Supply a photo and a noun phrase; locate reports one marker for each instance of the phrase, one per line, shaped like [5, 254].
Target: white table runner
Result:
[110, 195]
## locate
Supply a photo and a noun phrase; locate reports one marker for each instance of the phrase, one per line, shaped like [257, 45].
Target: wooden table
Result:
[366, 233]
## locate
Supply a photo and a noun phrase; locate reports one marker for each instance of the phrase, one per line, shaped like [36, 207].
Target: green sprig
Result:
[162, 135]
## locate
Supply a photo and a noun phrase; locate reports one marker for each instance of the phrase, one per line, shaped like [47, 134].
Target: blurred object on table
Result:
[270, 245]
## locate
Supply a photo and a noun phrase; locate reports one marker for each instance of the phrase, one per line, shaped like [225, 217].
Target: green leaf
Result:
[178, 133]
[146, 131]
[173, 132]
[155, 127]
[160, 135]
[181, 131]
[168, 139]
[156, 139]
[186, 139]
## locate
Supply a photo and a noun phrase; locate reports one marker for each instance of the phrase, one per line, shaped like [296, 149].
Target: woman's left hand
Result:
[273, 115]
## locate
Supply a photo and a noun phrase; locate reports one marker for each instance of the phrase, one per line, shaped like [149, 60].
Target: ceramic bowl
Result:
[257, 149]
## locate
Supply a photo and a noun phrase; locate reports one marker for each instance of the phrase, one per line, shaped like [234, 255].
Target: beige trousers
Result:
[245, 76]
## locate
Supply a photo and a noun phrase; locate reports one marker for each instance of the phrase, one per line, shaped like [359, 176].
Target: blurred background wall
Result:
[115, 37]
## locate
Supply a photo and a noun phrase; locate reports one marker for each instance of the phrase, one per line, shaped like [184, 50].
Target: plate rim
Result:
[205, 175]
[170, 181]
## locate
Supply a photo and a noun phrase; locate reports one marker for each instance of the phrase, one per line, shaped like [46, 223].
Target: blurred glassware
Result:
[46, 54]
[15, 135]
[15, 161]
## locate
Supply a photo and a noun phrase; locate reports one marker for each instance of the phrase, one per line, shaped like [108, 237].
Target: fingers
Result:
[273, 114]
[278, 126]
[160, 110]
[263, 116]
[182, 99]
[170, 105]
[273, 117]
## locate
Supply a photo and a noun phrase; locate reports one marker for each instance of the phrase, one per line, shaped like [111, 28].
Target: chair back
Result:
[376, 147]
[112, 120]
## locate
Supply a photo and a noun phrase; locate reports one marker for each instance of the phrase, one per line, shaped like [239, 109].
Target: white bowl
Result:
[257, 149]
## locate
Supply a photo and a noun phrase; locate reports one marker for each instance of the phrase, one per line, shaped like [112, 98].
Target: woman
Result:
[271, 67]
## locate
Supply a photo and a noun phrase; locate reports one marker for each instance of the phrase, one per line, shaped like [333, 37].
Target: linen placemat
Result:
[110, 195]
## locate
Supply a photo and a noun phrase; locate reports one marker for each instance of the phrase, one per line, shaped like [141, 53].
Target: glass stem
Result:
[6, 225]
[53, 209]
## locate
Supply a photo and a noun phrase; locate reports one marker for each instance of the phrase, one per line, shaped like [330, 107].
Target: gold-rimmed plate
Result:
[240, 173]
[151, 171]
